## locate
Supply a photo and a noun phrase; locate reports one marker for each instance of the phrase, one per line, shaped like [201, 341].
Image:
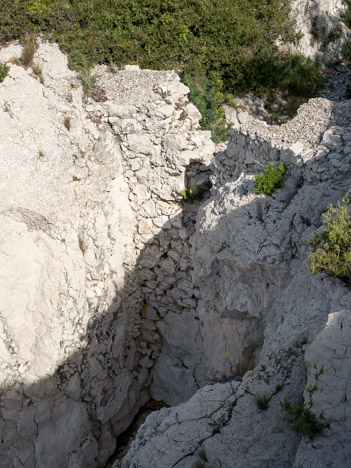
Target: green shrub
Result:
[300, 76]
[206, 94]
[346, 48]
[347, 18]
[270, 179]
[334, 34]
[331, 250]
[4, 69]
[77, 61]
[301, 419]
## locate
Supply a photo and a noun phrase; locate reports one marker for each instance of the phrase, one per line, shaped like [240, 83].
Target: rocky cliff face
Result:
[115, 291]
[259, 301]
[320, 30]
[94, 255]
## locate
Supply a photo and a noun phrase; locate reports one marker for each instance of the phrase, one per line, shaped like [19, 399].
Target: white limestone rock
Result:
[259, 307]
[79, 262]
[320, 28]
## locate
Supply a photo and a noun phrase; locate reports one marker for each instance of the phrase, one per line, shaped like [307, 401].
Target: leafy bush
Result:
[207, 96]
[331, 250]
[334, 34]
[347, 18]
[301, 418]
[77, 61]
[270, 179]
[300, 76]
[346, 48]
[4, 69]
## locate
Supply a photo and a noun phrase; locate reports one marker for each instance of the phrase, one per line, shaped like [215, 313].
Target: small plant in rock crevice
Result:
[4, 69]
[262, 402]
[38, 72]
[301, 418]
[197, 194]
[201, 461]
[270, 179]
[236, 370]
[334, 34]
[30, 46]
[67, 123]
[331, 250]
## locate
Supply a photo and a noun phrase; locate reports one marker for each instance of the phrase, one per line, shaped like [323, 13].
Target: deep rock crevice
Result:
[116, 291]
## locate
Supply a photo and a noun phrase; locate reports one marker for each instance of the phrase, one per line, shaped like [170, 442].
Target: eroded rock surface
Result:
[260, 303]
[320, 30]
[94, 249]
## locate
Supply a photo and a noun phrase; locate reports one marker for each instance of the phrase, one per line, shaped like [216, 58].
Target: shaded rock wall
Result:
[257, 296]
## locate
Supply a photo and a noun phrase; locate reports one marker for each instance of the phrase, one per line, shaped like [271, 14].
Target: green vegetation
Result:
[347, 18]
[88, 80]
[4, 69]
[331, 250]
[334, 34]
[346, 49]
[38, 72]
[206, 94]
[219, 47]
[300, 344]
[270, 179]
[77, 61]
[301, 418]
[197, 194]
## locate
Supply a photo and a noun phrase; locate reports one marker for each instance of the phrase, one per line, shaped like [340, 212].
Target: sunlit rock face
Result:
[320, 29]
[94, 253]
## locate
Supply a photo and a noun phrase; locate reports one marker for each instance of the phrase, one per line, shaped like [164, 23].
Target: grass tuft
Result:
[30, 46]
[262, 402]
[88, 80]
